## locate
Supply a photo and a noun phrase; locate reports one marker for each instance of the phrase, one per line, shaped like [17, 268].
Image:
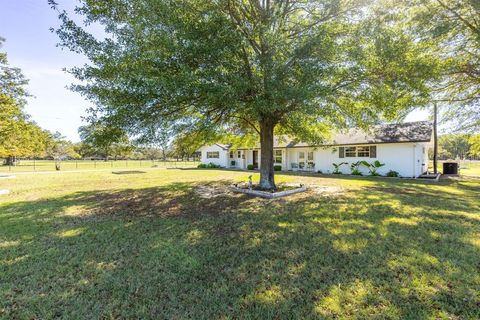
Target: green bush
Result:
[393, 173]
[212, 165]
[202, 166]
[277, 168]
[355, 168]
[337, 167]
[250, 167]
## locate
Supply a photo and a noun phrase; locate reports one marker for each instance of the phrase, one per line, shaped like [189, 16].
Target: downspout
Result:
[414, 162]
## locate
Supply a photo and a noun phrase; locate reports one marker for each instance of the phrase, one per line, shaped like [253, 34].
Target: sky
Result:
[32, 47]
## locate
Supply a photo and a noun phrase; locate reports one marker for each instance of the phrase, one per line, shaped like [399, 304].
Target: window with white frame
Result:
[350, 152]
[277, 156]
[363, 151]
[231, 154]
[213, 155]
[239, 154]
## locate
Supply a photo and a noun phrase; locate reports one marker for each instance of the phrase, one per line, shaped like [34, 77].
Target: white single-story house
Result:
[401, 147]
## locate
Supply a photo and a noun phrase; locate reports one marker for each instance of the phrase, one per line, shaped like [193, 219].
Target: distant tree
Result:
[59, 148]
[19, 137]
[475, 145]
[156, 136]
[454, 146]
[104, 141]
[254, 66]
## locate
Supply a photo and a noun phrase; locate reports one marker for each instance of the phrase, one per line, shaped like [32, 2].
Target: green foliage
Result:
[355, 168]
[392, 173]
[250, 167]
[58, 148]
[337, 166]
[450, 29]
[277, 168]
[453, 146]
[475, 145]
[100, 140]
[210, 165]
[373, 166]
[19, 137]
[245, 67]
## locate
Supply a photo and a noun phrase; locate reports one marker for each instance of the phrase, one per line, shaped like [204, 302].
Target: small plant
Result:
[355, 168]
[202, 166]
[250, 167]
[393, 173]
[337, 166]
[212, 165]
[373, 167]
[319, 171]
[277, 168]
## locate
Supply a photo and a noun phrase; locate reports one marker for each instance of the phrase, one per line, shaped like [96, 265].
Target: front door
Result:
[255, 159]
[305, 160]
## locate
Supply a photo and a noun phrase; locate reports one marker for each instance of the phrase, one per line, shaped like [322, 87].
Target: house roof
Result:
[420, 131]
[223, 146]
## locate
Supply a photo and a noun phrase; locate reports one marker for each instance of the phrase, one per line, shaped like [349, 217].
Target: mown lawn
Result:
[148, 245]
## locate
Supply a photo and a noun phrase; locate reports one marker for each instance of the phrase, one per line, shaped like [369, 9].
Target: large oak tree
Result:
[246, 66]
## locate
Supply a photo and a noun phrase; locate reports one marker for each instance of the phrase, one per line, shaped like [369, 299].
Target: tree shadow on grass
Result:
[171, 252]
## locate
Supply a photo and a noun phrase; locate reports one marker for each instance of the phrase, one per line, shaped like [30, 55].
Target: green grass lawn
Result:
[148, 245]
[69, 165]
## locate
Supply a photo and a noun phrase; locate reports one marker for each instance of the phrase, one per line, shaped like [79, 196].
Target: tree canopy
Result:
[250, 66]
[452, 28]
[19, 136]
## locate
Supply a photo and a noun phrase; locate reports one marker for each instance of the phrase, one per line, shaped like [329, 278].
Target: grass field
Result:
[69, 165]
[151, 245]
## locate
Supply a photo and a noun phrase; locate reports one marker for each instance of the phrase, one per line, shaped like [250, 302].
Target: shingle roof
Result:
[420, 131]
[223, 146]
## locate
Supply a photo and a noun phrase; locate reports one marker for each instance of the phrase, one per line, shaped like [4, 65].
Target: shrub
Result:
[393, 173]
[355, 168]
[337, 166]
[250, 167]
[212, 165]
[373, 167]
[277, 168]
[319, 171]
[202, 166]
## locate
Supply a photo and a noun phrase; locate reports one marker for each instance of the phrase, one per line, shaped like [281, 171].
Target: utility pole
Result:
[435, 140]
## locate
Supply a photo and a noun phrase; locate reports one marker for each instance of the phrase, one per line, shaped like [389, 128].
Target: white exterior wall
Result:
[408, 159]
[223, 159]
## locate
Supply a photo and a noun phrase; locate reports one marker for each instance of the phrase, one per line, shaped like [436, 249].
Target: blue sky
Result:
[32, 47]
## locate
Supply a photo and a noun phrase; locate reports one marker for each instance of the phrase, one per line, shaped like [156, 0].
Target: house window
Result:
[213, 155]
[350, 152]
[231, 154]
[310, 156]
[363, 152]
[239, 154]
[277, 156]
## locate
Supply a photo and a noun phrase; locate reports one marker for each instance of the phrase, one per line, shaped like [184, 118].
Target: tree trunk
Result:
[267, 180]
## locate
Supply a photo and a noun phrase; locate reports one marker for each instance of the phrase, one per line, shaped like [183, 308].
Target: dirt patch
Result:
[128, 172]
[211, 191]
[327, 190]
